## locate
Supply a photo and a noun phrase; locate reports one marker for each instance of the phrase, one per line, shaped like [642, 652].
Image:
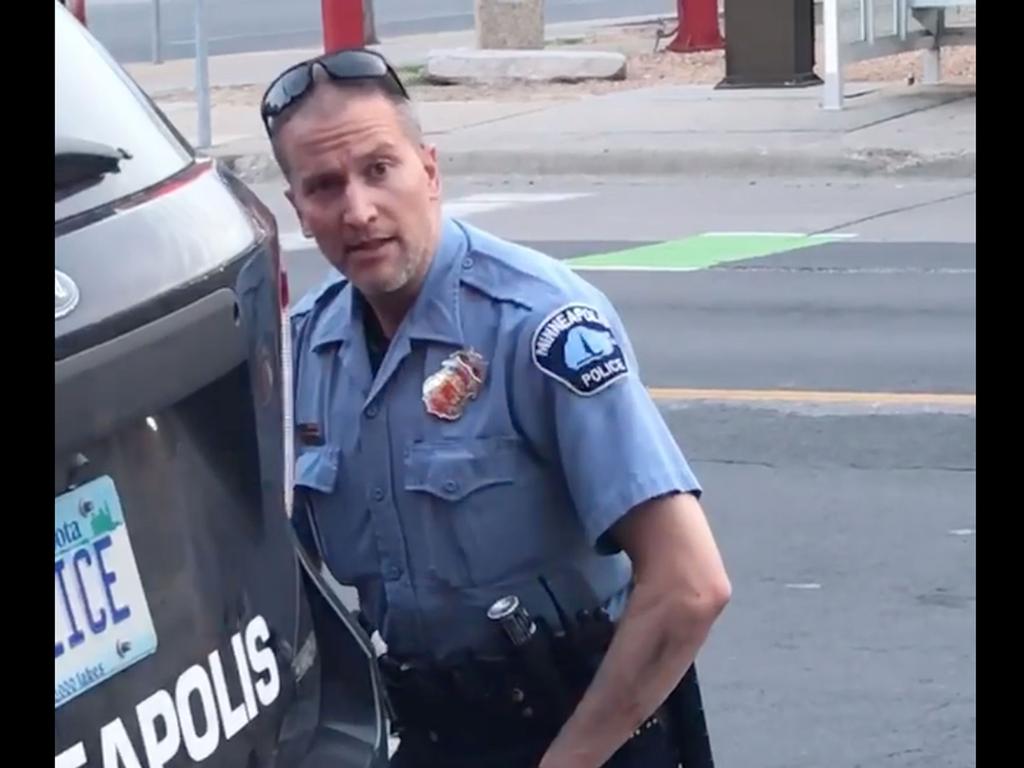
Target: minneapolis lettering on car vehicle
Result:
[575, 346]
[195, 712]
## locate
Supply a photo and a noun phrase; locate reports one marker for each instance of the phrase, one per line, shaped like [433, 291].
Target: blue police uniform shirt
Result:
[433, 519]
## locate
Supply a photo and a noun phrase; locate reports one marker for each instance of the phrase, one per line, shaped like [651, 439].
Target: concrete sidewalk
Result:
[406, 51]
[681, 129]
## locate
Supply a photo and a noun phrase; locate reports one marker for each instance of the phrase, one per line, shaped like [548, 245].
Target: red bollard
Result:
[77, 8]
[343, 24]
[698, 27]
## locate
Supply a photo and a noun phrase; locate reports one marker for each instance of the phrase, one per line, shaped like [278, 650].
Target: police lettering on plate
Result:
[575, 346]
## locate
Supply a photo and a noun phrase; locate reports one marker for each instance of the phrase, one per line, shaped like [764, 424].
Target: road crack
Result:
[898, 209]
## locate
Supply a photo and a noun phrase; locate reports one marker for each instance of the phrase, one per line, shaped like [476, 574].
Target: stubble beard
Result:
[397, 282]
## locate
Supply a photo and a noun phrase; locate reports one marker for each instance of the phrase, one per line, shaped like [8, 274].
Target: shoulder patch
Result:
[575, 346]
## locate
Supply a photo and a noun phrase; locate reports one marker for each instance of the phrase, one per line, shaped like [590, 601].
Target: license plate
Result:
[102, 623]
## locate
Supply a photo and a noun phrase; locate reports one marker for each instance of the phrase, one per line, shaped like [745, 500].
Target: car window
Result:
[95, 103]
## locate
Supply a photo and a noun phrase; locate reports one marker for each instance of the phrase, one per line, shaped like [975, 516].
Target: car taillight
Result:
[166, 187]
[287, 405]
[266, 226]
[285, 295]
[173, 184]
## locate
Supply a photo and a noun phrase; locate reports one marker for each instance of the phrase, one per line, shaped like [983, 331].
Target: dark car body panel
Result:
[169, 382]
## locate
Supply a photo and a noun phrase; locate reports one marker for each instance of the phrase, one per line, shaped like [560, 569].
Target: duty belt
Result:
[473, 703]
[517, 704]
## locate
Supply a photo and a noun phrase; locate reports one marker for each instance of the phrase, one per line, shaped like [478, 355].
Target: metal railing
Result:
[855, 30]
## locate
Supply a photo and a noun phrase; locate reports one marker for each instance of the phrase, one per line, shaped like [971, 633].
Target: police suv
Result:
[187, 627]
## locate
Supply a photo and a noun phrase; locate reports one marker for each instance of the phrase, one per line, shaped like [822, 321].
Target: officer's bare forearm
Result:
[680, 589]
[654, 645]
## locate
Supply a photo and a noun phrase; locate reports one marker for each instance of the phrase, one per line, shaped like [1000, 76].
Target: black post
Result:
[769, 44]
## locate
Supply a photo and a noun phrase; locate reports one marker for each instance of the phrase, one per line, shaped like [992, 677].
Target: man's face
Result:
[362, 187]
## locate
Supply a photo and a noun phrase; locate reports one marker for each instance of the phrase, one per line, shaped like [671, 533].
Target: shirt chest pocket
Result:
[342, 525]
[467, 501]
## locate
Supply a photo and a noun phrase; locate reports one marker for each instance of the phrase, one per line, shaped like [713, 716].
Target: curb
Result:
[706, 161]
[702, 161]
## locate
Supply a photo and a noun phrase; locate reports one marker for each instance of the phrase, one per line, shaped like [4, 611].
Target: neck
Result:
[391, 309]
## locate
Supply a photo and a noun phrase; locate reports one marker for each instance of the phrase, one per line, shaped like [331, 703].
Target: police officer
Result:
[471, 424]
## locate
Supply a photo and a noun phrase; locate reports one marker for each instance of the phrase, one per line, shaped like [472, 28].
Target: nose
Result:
[360, 209]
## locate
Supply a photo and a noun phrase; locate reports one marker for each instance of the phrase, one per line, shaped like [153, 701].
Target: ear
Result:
[430, 165]
[288, 193]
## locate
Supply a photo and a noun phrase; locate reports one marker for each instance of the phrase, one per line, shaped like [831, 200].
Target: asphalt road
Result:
[848, 528]
[872, 317]
[236, 26]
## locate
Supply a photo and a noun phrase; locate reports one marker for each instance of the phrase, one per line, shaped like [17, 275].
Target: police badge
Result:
[446, 392]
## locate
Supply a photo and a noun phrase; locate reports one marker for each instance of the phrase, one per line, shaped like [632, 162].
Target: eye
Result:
[378, 170]
[321, 184]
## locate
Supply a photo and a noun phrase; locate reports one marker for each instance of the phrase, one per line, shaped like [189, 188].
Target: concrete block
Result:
[471, 66]
[509, 24]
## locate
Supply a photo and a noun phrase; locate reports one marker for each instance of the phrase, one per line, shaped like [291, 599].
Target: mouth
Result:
[369, 247]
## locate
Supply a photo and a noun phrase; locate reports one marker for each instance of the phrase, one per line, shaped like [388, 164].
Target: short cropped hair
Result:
[406, 109]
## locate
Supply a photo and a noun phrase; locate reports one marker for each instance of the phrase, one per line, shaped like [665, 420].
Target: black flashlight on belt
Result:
[532, 647]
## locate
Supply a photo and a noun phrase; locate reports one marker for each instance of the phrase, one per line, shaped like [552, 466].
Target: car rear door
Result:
[183, 623]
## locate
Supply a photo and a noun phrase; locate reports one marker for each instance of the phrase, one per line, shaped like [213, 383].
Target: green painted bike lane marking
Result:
[700, 251]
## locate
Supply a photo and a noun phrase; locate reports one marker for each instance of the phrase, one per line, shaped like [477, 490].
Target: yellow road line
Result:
[811, 396]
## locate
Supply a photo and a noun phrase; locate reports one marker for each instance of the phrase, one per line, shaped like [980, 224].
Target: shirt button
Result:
[467, 263]
[372, 411]
[378, 494]
[394, 573]
[450, 486]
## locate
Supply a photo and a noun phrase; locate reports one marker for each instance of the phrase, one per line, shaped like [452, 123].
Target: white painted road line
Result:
[488, 202]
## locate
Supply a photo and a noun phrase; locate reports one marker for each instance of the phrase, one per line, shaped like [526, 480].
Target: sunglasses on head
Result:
[294, 83]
